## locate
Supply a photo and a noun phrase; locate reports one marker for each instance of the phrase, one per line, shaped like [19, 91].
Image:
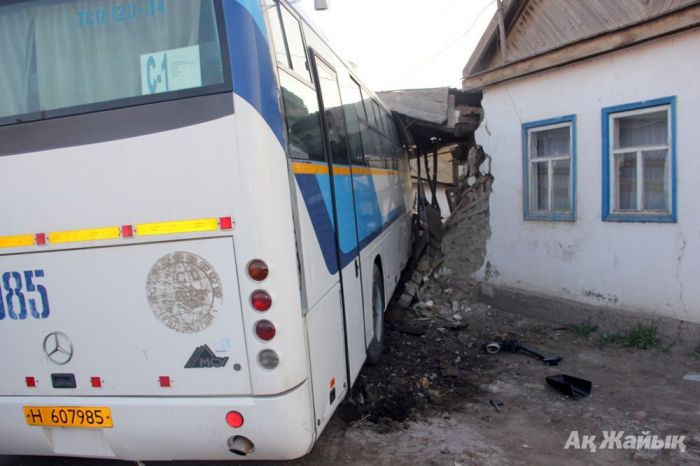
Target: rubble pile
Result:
[432, 358]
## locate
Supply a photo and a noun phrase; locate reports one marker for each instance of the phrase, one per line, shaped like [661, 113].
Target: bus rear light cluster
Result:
[268, 359]
[261, 300]
[96, 382]
[265, 330]
[30, 381]
[258, 270]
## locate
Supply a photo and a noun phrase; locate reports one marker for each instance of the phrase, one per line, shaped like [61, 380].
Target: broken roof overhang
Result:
[430, 113]
[478, 75]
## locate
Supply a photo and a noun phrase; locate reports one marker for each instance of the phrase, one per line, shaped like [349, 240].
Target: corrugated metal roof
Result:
[537, 26]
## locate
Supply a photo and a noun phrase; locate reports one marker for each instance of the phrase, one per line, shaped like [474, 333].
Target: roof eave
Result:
[674, 22]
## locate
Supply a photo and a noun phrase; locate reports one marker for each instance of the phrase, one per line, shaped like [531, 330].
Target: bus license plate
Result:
[68, 416]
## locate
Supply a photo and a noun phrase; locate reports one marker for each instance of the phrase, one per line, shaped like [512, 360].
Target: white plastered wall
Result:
[653, 268]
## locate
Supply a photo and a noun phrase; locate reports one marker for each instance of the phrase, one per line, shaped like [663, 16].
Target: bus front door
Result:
[344, 209]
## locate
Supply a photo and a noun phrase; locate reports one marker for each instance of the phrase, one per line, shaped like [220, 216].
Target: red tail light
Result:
[258, 270]
[265, 330]
[96, 382]
[261, 300]
[234, 419]
[31, 382]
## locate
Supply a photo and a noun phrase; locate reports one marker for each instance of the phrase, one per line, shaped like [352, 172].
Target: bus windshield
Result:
[73, 56]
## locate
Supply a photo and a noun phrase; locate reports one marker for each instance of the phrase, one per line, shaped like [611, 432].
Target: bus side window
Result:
[367, 104]
[295, 44]
[335, 119]
[277, 33]
[352, 99]
[303, 119]
[372, 142]
[378, 117]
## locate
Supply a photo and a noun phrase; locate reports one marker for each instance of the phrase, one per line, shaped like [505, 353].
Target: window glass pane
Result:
[353, 98]
[373, 148]
[539, 186]
[295, 43]
[278, 37]
[648, 129]
[561, 171]
[303, 122]
[655, 190]
[626, 181]
[378, 116]
[368, 109]
[333, 111]
[57, 55]
[389, 126]
[550, 142]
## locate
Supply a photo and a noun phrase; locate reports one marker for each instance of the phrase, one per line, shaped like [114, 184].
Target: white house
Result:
[592, 118]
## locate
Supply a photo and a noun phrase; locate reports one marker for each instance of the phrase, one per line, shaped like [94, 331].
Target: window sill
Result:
[640, 217]
[550, 216]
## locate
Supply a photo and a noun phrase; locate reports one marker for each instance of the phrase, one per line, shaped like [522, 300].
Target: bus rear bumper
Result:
[178, 428]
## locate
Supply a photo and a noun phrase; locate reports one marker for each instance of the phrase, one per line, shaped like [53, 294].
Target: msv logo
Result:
[20, 295]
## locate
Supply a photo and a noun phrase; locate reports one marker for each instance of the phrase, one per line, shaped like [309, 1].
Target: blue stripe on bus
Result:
[315, 190]
[251, 62]
[321, 219]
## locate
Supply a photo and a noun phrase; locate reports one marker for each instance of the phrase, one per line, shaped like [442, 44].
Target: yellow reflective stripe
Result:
[301, 168]
[342, 170]
[183, 226]
[92, 234]
[373, 171]
[16, 241]
[309, 169]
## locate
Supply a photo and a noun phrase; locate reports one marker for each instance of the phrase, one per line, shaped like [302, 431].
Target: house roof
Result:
[544, 34]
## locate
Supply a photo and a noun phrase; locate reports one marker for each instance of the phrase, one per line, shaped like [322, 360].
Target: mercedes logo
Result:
[58, 348]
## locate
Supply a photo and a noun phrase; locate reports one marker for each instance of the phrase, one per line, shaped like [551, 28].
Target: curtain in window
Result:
[16, 45]
[626, 181]
[79, 65]
[51, 61]
[552, 142]
[648, 129]
[560, 184]
[655, 197]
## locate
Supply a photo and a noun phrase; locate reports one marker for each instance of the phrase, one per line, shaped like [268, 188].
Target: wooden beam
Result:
[680, 20]
[502, 31]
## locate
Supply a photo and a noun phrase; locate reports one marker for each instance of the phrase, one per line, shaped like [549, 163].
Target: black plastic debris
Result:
[572, 386]
[513, 346]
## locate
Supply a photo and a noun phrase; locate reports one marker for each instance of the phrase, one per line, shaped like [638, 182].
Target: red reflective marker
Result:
[226, 223]
[234, 419]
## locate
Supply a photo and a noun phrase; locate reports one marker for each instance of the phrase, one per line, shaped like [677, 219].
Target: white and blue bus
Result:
[204, 215]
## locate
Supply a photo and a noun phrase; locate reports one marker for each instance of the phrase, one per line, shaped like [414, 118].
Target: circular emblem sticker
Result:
[183, 291]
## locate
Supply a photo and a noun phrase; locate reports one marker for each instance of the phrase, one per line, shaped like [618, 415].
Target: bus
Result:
[205, 214]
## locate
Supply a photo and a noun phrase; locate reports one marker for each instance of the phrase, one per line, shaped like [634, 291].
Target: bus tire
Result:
[374, 351]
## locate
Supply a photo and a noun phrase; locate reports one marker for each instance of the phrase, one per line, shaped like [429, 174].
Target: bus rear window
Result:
[61, 57]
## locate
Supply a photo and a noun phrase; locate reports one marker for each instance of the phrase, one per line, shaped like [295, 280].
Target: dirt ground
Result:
[433, 398]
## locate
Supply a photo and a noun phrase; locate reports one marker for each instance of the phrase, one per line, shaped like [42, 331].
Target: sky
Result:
[404, 44]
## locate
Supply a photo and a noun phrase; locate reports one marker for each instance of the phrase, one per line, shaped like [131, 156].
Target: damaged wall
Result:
[647, 267]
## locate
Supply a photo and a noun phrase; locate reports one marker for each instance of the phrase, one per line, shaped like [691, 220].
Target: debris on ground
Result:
[512, 346]
[569, 385]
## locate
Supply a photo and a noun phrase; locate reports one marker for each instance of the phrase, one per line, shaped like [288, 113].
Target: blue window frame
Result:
[639, 162]
[549, 169]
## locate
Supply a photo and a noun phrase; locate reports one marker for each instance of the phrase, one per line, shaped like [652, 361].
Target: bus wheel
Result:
[374, 352]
